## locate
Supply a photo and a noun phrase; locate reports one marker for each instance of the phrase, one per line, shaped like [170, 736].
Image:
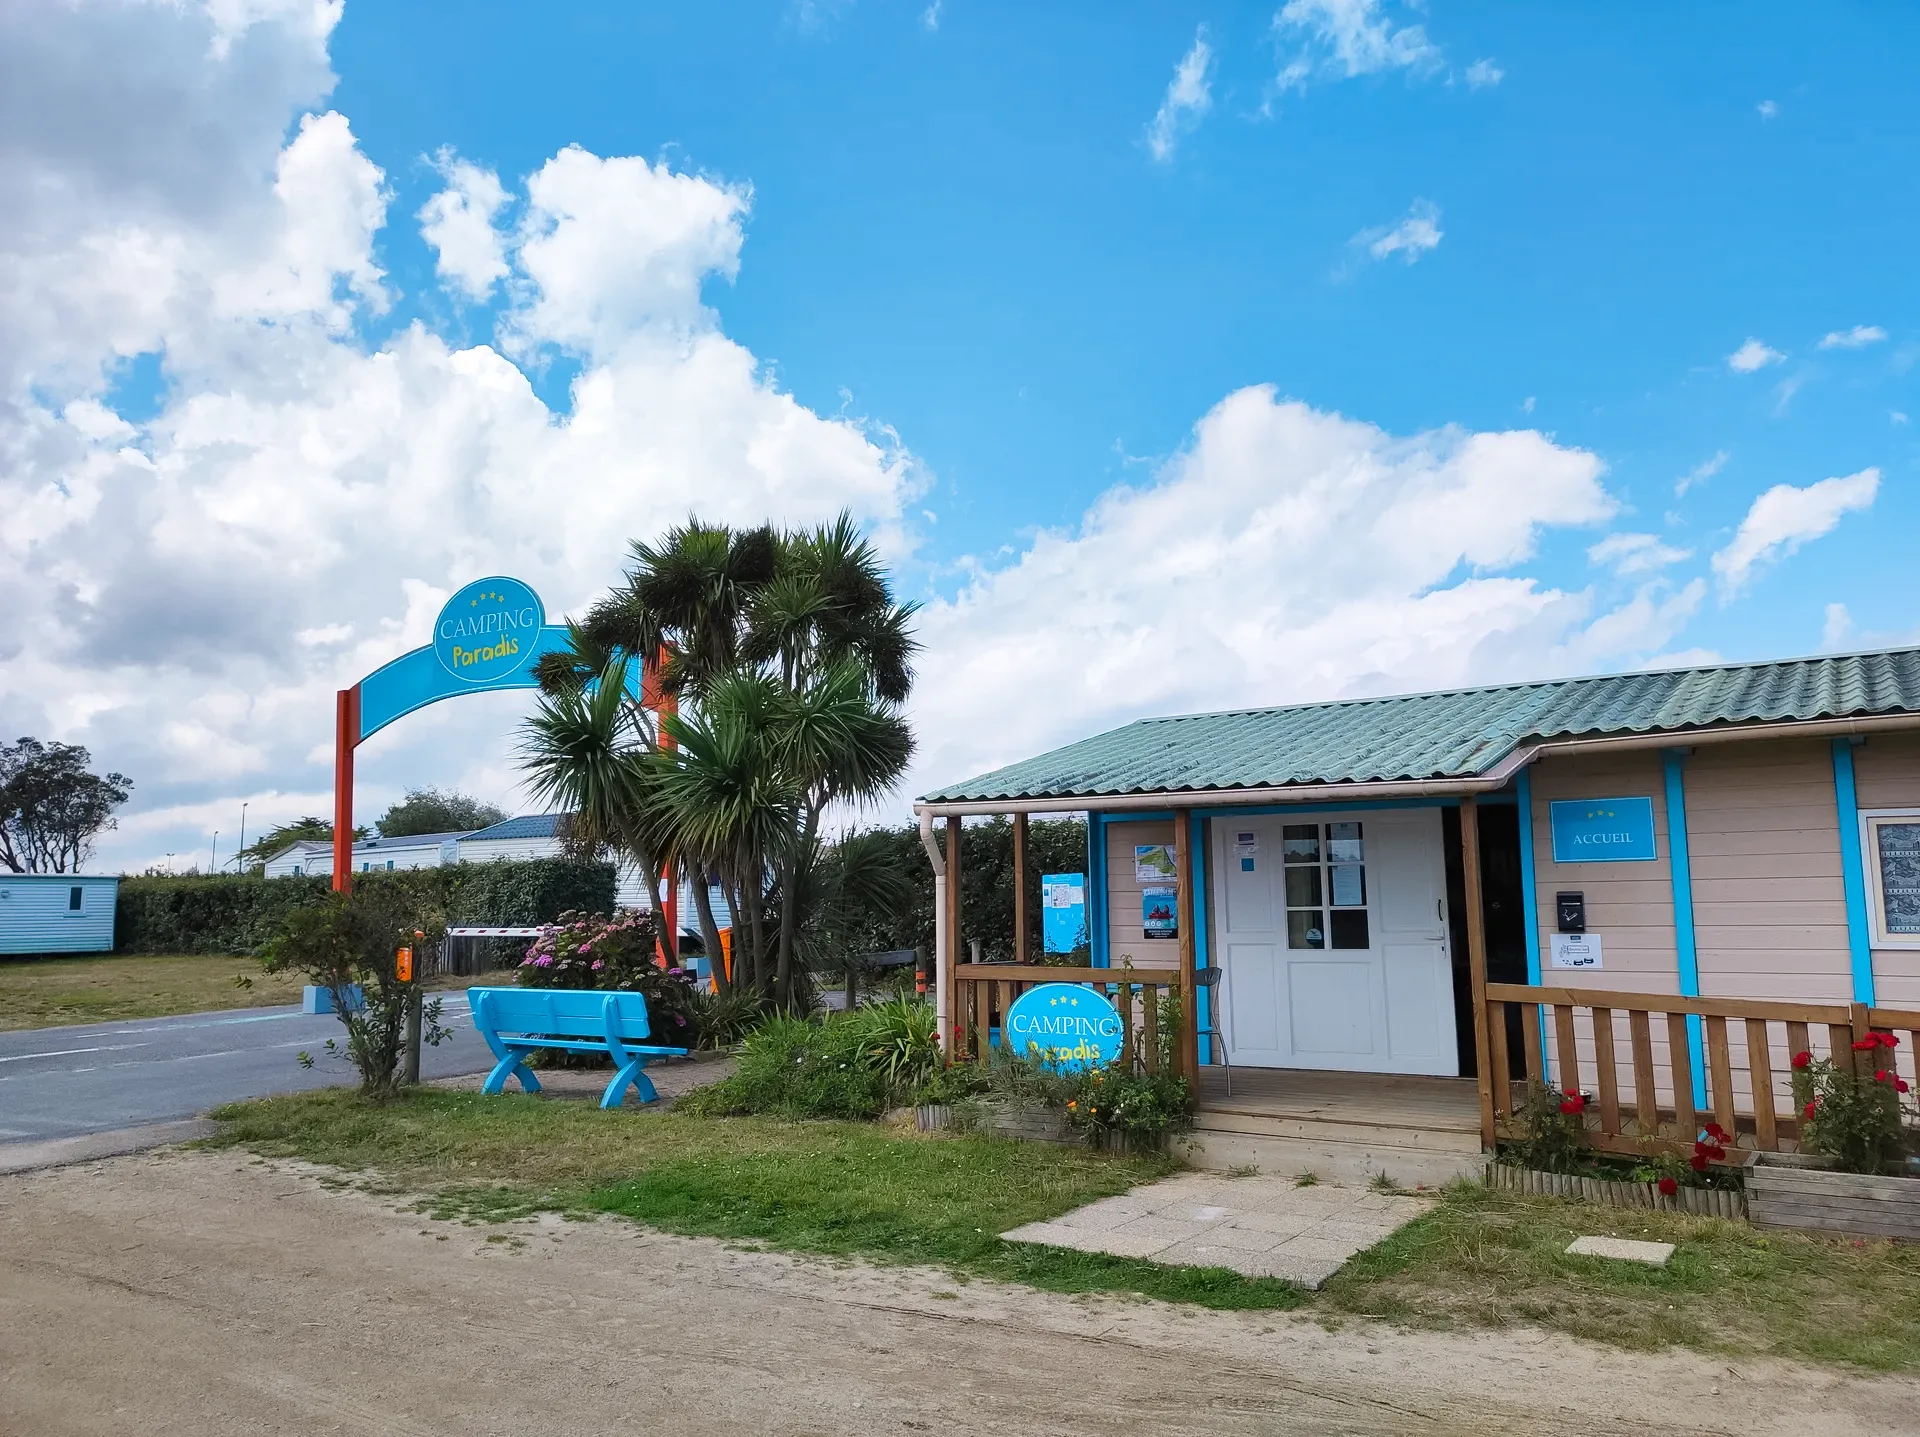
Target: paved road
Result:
[61, 1082]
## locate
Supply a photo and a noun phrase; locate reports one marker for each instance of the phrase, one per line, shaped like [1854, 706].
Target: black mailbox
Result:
[1572, 911]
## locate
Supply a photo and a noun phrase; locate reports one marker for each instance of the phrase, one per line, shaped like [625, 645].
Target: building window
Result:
[1891, 843]
[1325, 873]
[76, 900]
[296, 870]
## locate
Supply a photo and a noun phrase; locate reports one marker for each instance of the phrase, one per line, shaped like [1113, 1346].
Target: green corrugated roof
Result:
[1454, 734]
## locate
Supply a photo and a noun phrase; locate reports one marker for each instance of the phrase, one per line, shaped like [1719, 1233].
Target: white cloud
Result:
[1768, 109]
[1414, 236]
[930, 17]
[1700, 472]
[470, 254]
[1896, 416]
[1484, 73]
[1287, 554]
[187, 592]
[1526, 405]
[1635, 553]
[1189, 97]
[1784, 518]
[1837, 628]
[1858, 337]
[1751, 356]
[1342, 39]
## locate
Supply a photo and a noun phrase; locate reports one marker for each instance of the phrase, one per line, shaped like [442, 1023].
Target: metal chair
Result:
[1209, 979]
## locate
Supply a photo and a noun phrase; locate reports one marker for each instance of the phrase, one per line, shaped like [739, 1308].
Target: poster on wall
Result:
[1157, 913]
[1153, 862]
[1898, 850]
[1246, 848]
[1602, 830]
[1576, 950]
[1063, 912]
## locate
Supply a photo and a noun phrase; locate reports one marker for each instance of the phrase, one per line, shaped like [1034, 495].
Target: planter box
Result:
[1036, 1125]
[931, 1117]
[1706, 1202]
[1791, 1191]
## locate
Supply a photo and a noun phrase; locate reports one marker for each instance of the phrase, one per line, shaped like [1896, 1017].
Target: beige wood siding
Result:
[1630, 905]
[1886, 774]
[1125, 941]
[1769, 904]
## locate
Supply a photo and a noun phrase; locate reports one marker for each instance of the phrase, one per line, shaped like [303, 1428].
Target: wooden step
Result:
[1330, 1159]
[1429, 1138]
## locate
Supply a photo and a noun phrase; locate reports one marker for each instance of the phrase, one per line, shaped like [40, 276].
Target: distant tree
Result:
[52, 806]
[428, 810]
[310, 829]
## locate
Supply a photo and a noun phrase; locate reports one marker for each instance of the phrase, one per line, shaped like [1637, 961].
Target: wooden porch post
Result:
[1183, 920]
[1477, 963]
[1019, 888]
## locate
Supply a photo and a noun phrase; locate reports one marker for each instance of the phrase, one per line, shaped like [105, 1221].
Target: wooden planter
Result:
[931, 1117]
[1794, 1191]
[1706, 1202]
[1036, 1125]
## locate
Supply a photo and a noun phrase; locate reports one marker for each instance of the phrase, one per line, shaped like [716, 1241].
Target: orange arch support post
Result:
[346, 737]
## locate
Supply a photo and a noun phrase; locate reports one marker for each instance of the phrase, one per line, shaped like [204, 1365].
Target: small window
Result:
[1892, 861]
[76, 899]
[389, 865]
[1325, 868]
[296, 870]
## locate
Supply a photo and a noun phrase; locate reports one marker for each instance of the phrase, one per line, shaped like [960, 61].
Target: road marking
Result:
[69, 1052]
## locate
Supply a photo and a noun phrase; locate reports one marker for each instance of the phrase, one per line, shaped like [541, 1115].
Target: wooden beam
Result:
[1183, 919]
[1020, 954]
[1477, 964]
[952, 920]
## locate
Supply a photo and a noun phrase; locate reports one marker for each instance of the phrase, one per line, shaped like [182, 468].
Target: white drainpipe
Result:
[941, 1000]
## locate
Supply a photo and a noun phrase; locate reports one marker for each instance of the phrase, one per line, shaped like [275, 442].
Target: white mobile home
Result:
[57, 912]
[415, 850]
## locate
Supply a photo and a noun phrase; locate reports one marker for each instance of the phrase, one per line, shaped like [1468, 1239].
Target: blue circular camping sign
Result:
[1073, 1028]
[488, 630]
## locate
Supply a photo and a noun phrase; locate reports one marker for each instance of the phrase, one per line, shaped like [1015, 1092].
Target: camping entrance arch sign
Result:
[1073, 1027]
[488, 636]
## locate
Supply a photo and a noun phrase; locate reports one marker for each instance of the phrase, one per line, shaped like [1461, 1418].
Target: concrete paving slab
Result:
[1622, 1249]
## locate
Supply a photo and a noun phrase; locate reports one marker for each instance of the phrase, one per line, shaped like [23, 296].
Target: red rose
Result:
[1711, 1150]
[1698, 1162]
[1801, 1059]
[1880, 1075]
[1668, 1187]
[1867, 1044]
[1718, 1133]
[1889, 1040]
[1575, 1103]
[1900, 1085]
[1807, 1111]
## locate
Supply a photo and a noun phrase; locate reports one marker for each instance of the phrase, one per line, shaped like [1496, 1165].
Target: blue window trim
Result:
[1853, 871]
[1197, 846]
[1097, 889]
[1529, 889]
[1685, 948]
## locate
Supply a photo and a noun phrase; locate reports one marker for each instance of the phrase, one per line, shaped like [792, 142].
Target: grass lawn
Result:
[1480, 1259]
[1491, 1259]
[840, 1189]
[50, 992]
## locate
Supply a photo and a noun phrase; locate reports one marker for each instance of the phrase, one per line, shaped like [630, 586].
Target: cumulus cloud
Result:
[1768, 109]
[1342, 39]
[1635, 553]
[1412, 237]
[1482, 74]
[1751, 356]
[1285, 554]
[1859, 337]
[469, 253]
[1189, 97]
[188, 589]
[1784, 518]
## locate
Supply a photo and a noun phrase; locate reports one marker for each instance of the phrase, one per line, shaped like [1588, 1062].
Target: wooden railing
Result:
[1640, 1073]
[983, 992]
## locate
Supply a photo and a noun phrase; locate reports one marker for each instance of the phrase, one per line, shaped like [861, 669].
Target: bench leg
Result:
[629, 1073]
[513, 1065]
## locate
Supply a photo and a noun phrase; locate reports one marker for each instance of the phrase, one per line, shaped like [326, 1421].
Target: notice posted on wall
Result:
[1246, 848]
[1158, 916]
[1153, 862]
[1576, 950]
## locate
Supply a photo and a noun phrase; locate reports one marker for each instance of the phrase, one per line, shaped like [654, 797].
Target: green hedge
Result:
[236, 914]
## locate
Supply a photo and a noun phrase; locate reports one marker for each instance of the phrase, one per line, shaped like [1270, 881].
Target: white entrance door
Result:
[1334, 941]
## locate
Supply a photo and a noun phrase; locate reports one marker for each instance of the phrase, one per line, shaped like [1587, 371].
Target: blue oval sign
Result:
[1064, 1026]
[488, 630]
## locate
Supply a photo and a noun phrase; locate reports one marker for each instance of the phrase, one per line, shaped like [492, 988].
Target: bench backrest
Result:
[558, 1012]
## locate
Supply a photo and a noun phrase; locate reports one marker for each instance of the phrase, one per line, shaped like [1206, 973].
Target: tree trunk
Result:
[783, 972]
[709, 932]
[759, 932]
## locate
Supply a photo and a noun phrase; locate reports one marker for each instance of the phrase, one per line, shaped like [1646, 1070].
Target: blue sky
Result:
[960, 231]
[1179, 357]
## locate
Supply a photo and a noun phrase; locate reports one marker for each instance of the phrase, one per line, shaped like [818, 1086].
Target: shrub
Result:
[240, 913]
[1145, 1107]
[798, 1068]
[347, 942]
[1554, 1127]
[1850, 1115]
[585, 951]
[898, 1039]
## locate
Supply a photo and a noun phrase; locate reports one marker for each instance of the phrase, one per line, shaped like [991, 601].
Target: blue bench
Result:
[519, 1021]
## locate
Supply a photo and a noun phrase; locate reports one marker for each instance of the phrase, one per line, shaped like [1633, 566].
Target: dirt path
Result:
[211, 1294]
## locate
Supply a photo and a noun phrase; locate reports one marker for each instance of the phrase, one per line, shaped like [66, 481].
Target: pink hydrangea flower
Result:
[596, 965]
[543, 961]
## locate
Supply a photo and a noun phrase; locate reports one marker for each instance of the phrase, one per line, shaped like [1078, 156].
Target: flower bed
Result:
[1708, 1202]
